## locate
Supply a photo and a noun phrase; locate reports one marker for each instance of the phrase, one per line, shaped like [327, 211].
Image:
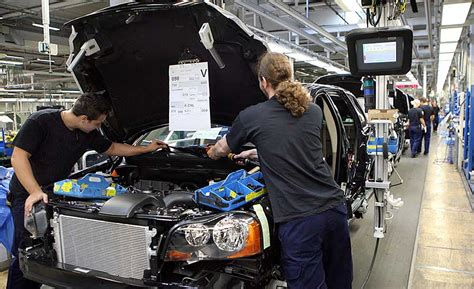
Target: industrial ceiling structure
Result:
[311, 32]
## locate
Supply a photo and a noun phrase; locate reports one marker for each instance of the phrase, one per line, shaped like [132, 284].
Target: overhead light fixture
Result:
[10, 62]
[70, 91]
[446, 56]
[348, 5]
[448, 47]
[44, 60]
[450, 34]
[299, 56]
[41, 26]
[276, 47]
[352, 18]
[319, 63]
[455, 13]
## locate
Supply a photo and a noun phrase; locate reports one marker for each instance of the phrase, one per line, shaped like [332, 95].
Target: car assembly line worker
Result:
[434, 105]
[45, 150]
[306, 202]
[416, 123]
[428, 116]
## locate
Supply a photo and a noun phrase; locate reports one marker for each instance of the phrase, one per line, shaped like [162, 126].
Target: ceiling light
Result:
[446, 57]
[276, 47]
[352, 18]
[44, 60]
[298, 56]
[455, 13]
[319, 63]
[10, 62]
[41, 26]
[348, 5]
[448, 47]
[450, 34]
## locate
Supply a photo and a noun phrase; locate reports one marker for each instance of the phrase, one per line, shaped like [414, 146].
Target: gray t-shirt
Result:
[298, 179]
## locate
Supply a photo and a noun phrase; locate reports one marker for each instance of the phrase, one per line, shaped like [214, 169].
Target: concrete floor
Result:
[429, 241]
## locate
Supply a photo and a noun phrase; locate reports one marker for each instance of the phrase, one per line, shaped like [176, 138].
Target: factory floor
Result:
[429, 242]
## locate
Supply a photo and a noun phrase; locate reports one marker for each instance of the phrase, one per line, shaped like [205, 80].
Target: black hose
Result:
[371, 264]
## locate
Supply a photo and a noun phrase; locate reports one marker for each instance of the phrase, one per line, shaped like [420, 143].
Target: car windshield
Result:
[186, 138]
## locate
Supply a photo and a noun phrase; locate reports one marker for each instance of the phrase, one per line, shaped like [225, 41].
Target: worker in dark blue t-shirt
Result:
[416, 124]
[428, 116]
[307, 204]
[45, 150]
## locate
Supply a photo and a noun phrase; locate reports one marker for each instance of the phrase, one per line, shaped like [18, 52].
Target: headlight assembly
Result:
[231, 236]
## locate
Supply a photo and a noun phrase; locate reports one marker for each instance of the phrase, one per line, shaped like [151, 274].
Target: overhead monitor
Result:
[380, 51]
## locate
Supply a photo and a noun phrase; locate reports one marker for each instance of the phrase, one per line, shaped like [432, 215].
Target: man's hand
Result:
[155, 145]
[248, 154]
[33, 199]
[211, 153]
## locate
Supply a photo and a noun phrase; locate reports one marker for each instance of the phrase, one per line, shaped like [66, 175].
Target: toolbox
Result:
[375, 145]
[238, 189]
[91, 186]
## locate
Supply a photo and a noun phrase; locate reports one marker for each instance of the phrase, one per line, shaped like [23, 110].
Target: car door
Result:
[333, 136]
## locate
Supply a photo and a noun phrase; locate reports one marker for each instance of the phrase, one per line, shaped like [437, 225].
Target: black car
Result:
[345, 135]
[401, 101]
[155, 235]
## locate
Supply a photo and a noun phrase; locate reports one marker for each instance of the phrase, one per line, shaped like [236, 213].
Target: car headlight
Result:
[230, 235]
[196, 234]
[233, 236]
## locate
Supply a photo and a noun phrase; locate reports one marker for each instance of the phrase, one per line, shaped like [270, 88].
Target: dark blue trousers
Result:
[316, 251]
[427, 137]
[15, 276]
[415, 139]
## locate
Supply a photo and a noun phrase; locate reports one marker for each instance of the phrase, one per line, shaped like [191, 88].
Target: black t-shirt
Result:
[53, 147]
[436, 110]
[427, 113]
[298, 179]
[414, 115]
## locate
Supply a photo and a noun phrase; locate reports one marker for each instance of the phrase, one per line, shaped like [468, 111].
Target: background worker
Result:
[415, 125]
[434, 105]
[46, 148]
[307, 204]
[428, 116]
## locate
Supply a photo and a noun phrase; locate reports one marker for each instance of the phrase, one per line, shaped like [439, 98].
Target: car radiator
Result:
[115, 248]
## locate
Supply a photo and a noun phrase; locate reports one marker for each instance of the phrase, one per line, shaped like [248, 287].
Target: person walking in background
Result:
[434, 105]
[428, 116]
[415, 124]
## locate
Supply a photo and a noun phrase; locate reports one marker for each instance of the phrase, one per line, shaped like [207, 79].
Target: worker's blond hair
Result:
[276, 69]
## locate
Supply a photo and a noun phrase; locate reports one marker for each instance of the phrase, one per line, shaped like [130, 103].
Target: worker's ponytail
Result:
[276, 69]
[293, 96]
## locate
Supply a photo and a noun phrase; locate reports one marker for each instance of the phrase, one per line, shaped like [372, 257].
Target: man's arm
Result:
[21, 164]
[219, 150]
[126, 150]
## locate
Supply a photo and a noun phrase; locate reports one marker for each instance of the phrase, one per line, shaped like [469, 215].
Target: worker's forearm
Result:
[25, 175]
[125, 150]
[422, 122]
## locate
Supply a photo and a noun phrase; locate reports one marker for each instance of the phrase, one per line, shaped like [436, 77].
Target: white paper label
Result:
[189, 97]
[264, 222]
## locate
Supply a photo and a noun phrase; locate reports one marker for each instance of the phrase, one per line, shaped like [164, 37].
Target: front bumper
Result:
[62, 275]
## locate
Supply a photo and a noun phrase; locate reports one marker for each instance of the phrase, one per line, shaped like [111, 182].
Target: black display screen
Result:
[379, 52]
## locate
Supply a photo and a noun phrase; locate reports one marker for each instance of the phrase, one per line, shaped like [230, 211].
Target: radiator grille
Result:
[114, 248]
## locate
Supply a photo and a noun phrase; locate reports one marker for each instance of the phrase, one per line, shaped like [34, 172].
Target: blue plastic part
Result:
[7, 227]
[375, 145]
[91, 186]
[235, 191]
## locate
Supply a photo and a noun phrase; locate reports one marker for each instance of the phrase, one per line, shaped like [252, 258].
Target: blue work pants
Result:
[316, 251]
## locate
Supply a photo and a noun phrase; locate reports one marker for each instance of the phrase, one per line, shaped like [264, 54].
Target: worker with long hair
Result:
[307, 204]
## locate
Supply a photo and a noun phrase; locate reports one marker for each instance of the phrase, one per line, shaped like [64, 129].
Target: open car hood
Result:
[136, 44]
